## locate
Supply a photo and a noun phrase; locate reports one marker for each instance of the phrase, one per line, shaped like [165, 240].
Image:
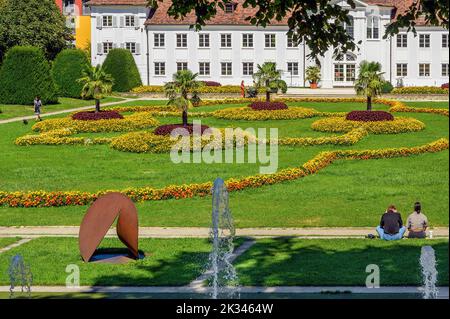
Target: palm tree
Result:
[96, 84]
[183, 91]
[370, 81]
[268, 78]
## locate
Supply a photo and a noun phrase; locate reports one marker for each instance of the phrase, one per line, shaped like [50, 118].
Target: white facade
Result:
[226, 51]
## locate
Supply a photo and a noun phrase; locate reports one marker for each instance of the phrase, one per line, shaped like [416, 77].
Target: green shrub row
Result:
[203, 89]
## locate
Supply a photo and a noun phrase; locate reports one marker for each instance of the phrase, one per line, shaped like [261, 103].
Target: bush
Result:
[211, 83]
[268, 106]
[167, 129]
[121, 65]
[25, 73]
[420, 90]
[95, 116]
[369, 116]
[224, 89]
[67, 69]
[387, 87]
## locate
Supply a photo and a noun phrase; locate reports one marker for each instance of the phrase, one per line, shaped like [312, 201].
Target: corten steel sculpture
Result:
[99, 219]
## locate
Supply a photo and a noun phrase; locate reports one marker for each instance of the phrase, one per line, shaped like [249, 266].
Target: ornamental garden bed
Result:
[369, 116]
[181, 129]
[267, 106]
[95, 116]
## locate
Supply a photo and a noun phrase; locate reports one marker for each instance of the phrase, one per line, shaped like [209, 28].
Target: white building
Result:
[228, 49]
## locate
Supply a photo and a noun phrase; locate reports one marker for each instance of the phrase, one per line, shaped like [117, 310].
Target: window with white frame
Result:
[290, 41]
[373, 27]
[229, 7]
[160, 68]
[247, 40]
[159, 40]
[203, 40]
[424, 40]
[402, 40]
[204, 68]
[402, 69]
[292, 68]
[107, 46]
[182, 66]
[107, 21]
[181, 40]
[130, 21]
[350, 27]
[225, 40]
[424, 69]
[226, 68]
[247, 68]
[444, 69]
[445, 40]
[131, 46]
[270, 40]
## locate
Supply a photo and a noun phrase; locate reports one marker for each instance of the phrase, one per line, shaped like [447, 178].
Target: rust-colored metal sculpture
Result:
[99, 219]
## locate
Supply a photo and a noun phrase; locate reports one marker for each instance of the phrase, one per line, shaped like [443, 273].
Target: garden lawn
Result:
[7, 241]
[431, 104]
[171, 262]
[336, 262]
[11, 111]
[347, 193]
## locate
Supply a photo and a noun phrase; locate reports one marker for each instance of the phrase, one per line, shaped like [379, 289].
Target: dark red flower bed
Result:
[264, 106]
[211, 83]
[444, 86]
[369, 116]
[168, 128]
[92, 116]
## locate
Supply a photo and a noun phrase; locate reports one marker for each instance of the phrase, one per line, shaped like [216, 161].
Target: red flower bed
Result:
[264, 106]
[168, 128]
[92, 116]
[211, 83]
[369, 116]
[444, 86]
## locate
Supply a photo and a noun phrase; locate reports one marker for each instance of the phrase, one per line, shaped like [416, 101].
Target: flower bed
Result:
[340, 124]
[211, 83]
[350, 138]
[420, 90]
[262, 106]
[322, 160]
[95, 116]
[246, 113]
[168, 128]
[369, 116]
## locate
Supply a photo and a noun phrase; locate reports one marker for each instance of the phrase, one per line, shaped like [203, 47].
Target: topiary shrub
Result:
[369, 116]
[387, 87]
[26, 73]
[121, 65]
[265, 106]
[67, 69]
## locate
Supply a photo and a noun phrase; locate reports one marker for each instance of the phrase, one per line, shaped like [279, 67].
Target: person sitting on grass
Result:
[37, 108]
[417, 223]
[391, 225]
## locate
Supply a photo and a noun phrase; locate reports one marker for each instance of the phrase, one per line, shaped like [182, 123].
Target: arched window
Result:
[373, 27]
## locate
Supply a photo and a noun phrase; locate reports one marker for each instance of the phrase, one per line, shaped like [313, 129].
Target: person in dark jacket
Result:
[391, 225]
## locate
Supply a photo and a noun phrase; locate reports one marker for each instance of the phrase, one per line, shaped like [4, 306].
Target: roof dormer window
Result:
[230, 7]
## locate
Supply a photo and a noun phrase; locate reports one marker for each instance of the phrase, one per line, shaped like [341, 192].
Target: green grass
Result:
[290, 262]
[433, 104]
[347, 193]
[7, 241]
[11, 111]
[171, 262]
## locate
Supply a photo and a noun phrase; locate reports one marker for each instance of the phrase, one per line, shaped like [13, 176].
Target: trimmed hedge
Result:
[420, 90]
[67, 69]
[121, 65]
[26, 73]
[202, 89]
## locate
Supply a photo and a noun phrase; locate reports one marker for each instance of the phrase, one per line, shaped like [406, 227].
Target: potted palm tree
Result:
[370, 81]
[96, 84]
[182, 92]
[313, 76]
[268, 79]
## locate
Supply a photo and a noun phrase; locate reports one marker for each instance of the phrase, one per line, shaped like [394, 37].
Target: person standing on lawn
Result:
[391, 225]
[37, 108]
[417, 223]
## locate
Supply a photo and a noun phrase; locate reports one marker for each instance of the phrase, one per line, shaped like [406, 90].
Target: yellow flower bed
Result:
[246, 113]
[340, 124]
[147, 142]
[350, 138]
[322, 160]
[132, 122]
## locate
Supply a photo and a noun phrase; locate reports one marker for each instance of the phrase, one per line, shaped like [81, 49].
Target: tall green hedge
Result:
[67, 69]
[24, 74]
[121, 65]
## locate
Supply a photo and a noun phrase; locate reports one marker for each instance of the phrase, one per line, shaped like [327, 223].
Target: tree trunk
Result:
[97, 106]
[185, 118]
[267, 92]
[369, 103]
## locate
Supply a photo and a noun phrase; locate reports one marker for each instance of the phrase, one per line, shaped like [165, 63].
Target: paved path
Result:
[16, 244]
[31, 117]
[443, 291]
[203, 232]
